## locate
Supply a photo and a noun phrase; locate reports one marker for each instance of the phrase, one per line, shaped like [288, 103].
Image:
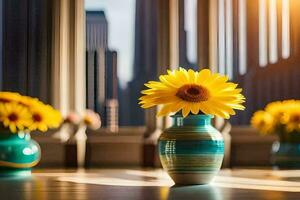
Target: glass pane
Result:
[257, 47]
[267, 39]
[115, 59]
[255, 43]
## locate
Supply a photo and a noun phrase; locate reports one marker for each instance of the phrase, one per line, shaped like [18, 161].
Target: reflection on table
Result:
[150, 184]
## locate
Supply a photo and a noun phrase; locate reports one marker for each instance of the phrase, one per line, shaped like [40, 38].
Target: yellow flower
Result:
[44, 117]
[195, 92]
[55, 117]
[292, 115]
[293, 122]
[6, 97]
[39, 120]
[14, 116]
[263, 121]
[29, 101]
[26, 113]
[278, 110]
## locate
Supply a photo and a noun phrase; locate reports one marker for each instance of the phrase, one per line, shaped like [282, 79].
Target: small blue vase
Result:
[286, 155]
[18, 154]
[191, 150]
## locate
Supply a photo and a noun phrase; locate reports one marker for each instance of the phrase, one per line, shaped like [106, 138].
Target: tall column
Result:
[68, 89]
[79, 57]
[174, 33]
[203, 33]
[68, 58]
[213, 35]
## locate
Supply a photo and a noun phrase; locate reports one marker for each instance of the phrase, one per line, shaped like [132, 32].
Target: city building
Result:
[145, 56]
[101, 70]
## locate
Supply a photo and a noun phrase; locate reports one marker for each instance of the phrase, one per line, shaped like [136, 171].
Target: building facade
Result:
[101, 70]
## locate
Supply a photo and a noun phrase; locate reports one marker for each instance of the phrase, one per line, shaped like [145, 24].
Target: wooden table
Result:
[134, 184]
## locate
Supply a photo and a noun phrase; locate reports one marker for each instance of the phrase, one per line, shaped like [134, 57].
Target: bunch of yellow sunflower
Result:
[278, 116]
[19, 113]
[193, 92]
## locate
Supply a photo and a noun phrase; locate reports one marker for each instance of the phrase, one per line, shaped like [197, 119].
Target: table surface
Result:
[149, 184]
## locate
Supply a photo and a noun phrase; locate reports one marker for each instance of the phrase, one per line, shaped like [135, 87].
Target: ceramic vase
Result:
[191, 150]
[18, 154]
[286, 151]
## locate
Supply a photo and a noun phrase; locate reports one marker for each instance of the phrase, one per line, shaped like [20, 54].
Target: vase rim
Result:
[193, 116]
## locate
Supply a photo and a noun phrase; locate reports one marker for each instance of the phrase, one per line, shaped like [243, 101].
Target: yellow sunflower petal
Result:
[165, 110]
[185, 111]
[193, 92]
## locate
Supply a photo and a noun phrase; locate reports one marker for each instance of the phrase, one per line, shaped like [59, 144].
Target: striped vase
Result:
[18, 154]
[191, 150]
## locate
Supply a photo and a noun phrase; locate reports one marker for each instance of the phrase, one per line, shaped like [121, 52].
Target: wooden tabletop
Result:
[150, 184]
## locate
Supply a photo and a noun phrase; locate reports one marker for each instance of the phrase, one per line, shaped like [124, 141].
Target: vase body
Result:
[191, 150]
[286, 151]
[18, 154]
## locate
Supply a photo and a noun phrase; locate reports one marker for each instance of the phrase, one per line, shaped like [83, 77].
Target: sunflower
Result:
[14, 116]
[292, 119]
[193, 92]
[54, 116]
[6, 97]
[263, 121]
[44, 117]
[29, 101]
[39, 120]
[278, 110]
[293, 122]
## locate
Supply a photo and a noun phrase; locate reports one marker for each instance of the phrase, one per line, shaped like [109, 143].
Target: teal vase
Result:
[18, 154]
[286, 151]
[191, 150]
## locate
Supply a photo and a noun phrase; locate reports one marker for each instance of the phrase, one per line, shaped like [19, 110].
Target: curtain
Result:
[27, 47]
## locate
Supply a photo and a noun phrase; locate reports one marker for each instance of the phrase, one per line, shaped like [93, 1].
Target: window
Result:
[121, 56]
[265, 49]
[255, 43]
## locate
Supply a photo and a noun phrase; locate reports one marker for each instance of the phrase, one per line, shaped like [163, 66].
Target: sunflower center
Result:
[193, 93]
[37, 117]
[261, 124]
[3, 100]
[13, 117]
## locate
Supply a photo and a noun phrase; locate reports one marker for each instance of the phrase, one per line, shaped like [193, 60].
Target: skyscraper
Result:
[145, 55]
[96, 45]
[112, 105]
[96, 30]
[101, 69]
[111, 74]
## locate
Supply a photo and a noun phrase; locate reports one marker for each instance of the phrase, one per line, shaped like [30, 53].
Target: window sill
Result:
[248, 148]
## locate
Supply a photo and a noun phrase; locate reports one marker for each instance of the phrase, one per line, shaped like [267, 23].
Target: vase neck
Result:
[192, 120]
[20, 135]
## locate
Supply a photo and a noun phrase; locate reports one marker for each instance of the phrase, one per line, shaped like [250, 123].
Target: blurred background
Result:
[97, 54]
